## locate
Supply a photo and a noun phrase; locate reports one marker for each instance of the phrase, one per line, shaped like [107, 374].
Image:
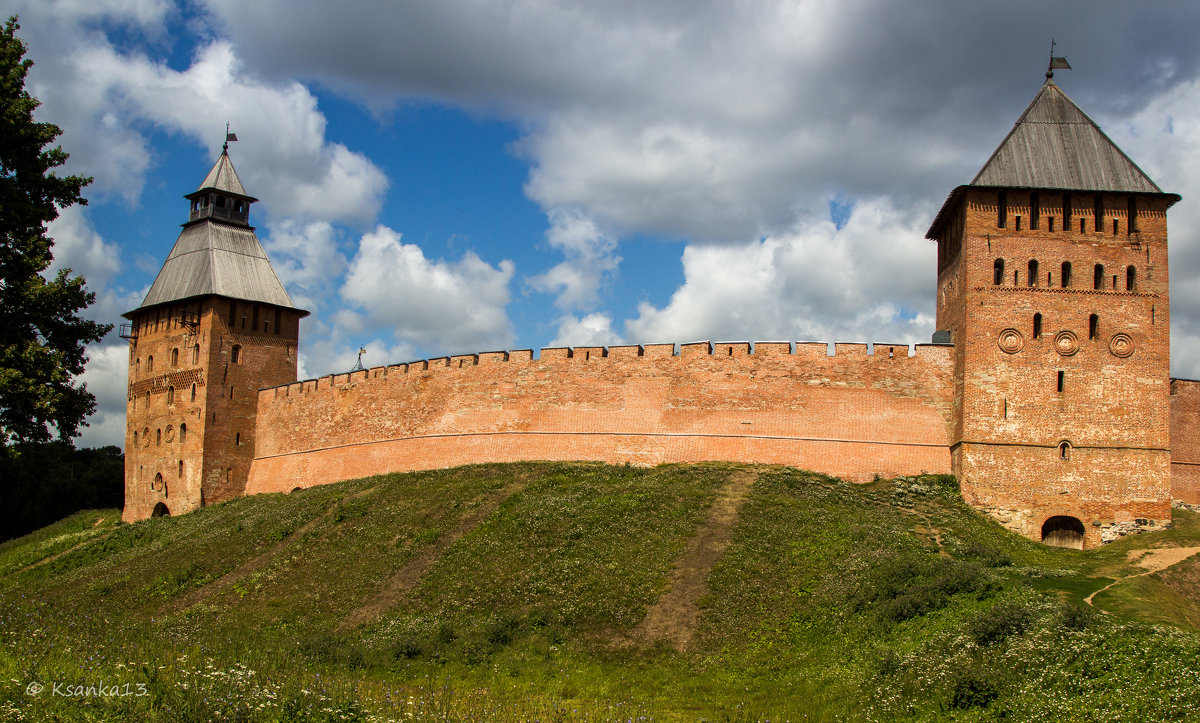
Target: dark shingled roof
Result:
[212, 256]
[1055, 145]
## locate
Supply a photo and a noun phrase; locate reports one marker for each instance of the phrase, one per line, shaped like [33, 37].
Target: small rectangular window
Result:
[1066, 209]
[1131, 222]
[1018, 223]
[1001, 209]
[1049, 223]
[1062, 380]
[1098, 211]
[1035, 210]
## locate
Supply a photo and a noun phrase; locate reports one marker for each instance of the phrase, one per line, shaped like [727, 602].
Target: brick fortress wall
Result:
[1185, 440]
[852, 414]
[265, 338]
[1076, 354]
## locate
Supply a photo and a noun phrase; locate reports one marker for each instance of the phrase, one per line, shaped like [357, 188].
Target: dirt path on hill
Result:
[930, 532]
[674, 616]
[1154, 560]
[72, 548]
[406, 578]
[192, 597]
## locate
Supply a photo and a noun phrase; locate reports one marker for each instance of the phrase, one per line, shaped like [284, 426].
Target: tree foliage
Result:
[42, 335]
[46, 482]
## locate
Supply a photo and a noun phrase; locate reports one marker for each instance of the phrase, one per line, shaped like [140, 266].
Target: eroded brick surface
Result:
[854, 415]
[1185, 440]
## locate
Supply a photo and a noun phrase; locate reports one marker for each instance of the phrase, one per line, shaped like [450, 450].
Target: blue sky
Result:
[447, 177]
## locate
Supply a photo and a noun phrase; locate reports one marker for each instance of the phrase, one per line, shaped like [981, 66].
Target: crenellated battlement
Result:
[1053, 406]
[889, 352]
[849, 409]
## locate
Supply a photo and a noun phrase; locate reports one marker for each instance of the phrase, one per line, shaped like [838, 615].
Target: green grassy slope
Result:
[512, 592]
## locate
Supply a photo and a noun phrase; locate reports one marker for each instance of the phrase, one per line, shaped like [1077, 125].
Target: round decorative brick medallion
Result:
[170, 433]
[1011, 341]
[1066, 343]
[1121, 345]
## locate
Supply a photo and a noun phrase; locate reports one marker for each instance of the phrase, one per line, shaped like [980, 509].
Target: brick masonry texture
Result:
[187, 446]
[1053, 404]
[1185, 440]
[1024, 449]
[852, 414]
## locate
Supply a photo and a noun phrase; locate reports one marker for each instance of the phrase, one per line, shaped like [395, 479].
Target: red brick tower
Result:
[1052, 281]
[215, 327]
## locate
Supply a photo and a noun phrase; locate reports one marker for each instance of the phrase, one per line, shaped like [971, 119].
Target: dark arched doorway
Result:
[160, 510]
[1063, 531]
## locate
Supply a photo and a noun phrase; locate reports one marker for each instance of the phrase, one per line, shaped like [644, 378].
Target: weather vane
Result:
[228, 137]
[1056, 63]
[358, 365]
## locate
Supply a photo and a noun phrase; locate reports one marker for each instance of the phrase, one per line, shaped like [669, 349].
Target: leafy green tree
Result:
[45, 482]
[42, 335]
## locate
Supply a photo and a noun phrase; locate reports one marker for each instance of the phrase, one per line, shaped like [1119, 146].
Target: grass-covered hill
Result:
[590, 592]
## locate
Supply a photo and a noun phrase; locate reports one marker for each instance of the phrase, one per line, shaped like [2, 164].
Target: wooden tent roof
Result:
[1055, 145]
[223, 177]
[217, 257]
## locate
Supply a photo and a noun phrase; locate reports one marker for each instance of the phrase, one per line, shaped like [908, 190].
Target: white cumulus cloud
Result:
[107, 377]
[591, 330]
[871, 280]
[78, 247]
[103, 97]
[590, 260]
[441, 306]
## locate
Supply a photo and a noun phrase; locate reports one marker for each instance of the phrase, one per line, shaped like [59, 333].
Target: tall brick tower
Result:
[1052, 281]
[216, 326]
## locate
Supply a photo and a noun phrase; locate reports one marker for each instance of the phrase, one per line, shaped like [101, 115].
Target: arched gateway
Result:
[1063, 531]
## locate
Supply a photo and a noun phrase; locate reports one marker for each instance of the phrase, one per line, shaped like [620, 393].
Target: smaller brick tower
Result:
[215, 327]
[1052, 280]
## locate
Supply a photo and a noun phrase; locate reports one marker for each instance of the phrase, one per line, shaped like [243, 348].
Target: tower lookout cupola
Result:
[221, 196]
[215, 327]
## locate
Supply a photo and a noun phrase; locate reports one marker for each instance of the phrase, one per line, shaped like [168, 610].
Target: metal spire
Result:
[228, 137]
